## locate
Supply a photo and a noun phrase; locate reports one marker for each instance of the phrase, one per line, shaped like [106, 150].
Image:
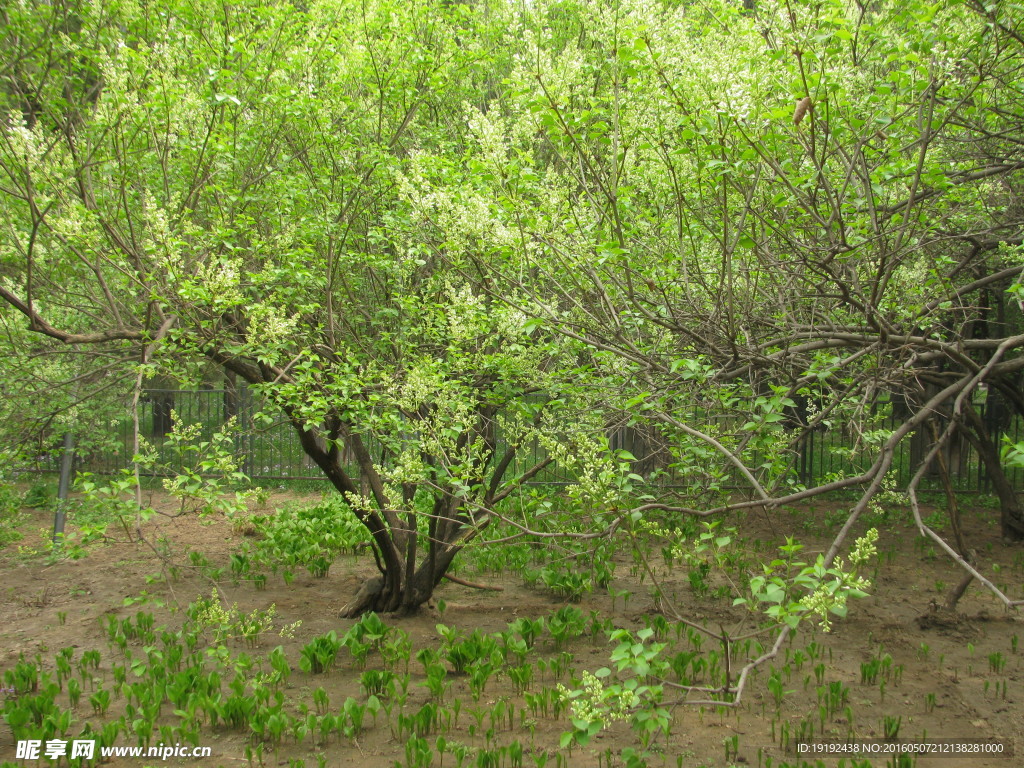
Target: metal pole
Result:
[62, 487]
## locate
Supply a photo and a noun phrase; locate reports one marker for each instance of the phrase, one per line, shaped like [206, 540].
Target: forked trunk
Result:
[391, 592]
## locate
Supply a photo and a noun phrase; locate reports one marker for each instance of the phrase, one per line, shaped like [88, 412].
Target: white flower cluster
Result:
[466, 311]
[830, 596]
[114, 74]
[162, 242]
[490, 132]
[69, 222]
[270, 325]
[864, 548]
[23, 141]
[462, 214]
[215, 284]
[408, 468]
[595, 702]
[736, 101]
[421, 382]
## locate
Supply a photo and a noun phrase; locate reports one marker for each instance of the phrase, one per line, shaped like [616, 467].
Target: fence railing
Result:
[269, 452]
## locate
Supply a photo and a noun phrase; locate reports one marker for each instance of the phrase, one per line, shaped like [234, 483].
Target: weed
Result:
[364, 636]
[40, 495]
[11, 515]
[231, 623]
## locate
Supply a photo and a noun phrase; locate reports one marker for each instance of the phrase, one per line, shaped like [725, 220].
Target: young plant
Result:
[565, 624]
[318, 655]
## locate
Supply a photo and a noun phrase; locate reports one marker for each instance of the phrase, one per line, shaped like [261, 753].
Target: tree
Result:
[410, 228]
[743, 214]
[817, 202]
[229, 183]
[44, 395]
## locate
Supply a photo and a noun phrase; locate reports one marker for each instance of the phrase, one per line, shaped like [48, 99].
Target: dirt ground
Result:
[947, 680]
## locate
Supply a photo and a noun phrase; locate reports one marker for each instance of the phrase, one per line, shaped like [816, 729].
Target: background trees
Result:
[800, 215]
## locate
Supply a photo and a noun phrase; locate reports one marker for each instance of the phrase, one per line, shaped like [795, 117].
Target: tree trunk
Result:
[1011, 514]
[163, 420]
[392, 591]
[411, 564]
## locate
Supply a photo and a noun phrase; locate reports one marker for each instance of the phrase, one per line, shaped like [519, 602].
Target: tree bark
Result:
[393, 591]
[1011, 517]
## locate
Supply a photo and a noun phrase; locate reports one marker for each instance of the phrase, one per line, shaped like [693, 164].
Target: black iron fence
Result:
[268, 450]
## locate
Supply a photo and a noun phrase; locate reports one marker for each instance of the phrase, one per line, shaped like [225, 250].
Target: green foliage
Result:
[529, 630]
[40, 495]
[410, 228]
[1013, 453]
[223, 624]
[45, 395]
[376, 682]
[566, 583]
[367, 634]
[316, 277]
[101, 502]
[311, 537]
[565, 624]
[464, 653]
[204, 473]
[318, 655]
[791, 589]
[635, 696]
[11, 516]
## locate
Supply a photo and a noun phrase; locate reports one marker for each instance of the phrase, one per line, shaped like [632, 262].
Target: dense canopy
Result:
[414, 226]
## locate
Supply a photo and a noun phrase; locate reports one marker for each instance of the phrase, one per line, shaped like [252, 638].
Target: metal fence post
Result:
[62, 486]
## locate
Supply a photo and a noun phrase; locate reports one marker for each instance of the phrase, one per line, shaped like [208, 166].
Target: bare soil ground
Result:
[946, 679]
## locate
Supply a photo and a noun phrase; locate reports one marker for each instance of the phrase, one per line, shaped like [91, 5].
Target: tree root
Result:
[471, 585]
[364, 598]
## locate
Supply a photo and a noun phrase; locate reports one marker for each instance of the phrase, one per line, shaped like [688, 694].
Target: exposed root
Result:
[947, 622]
[471, 585]
[364, 598]
[368, 596]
